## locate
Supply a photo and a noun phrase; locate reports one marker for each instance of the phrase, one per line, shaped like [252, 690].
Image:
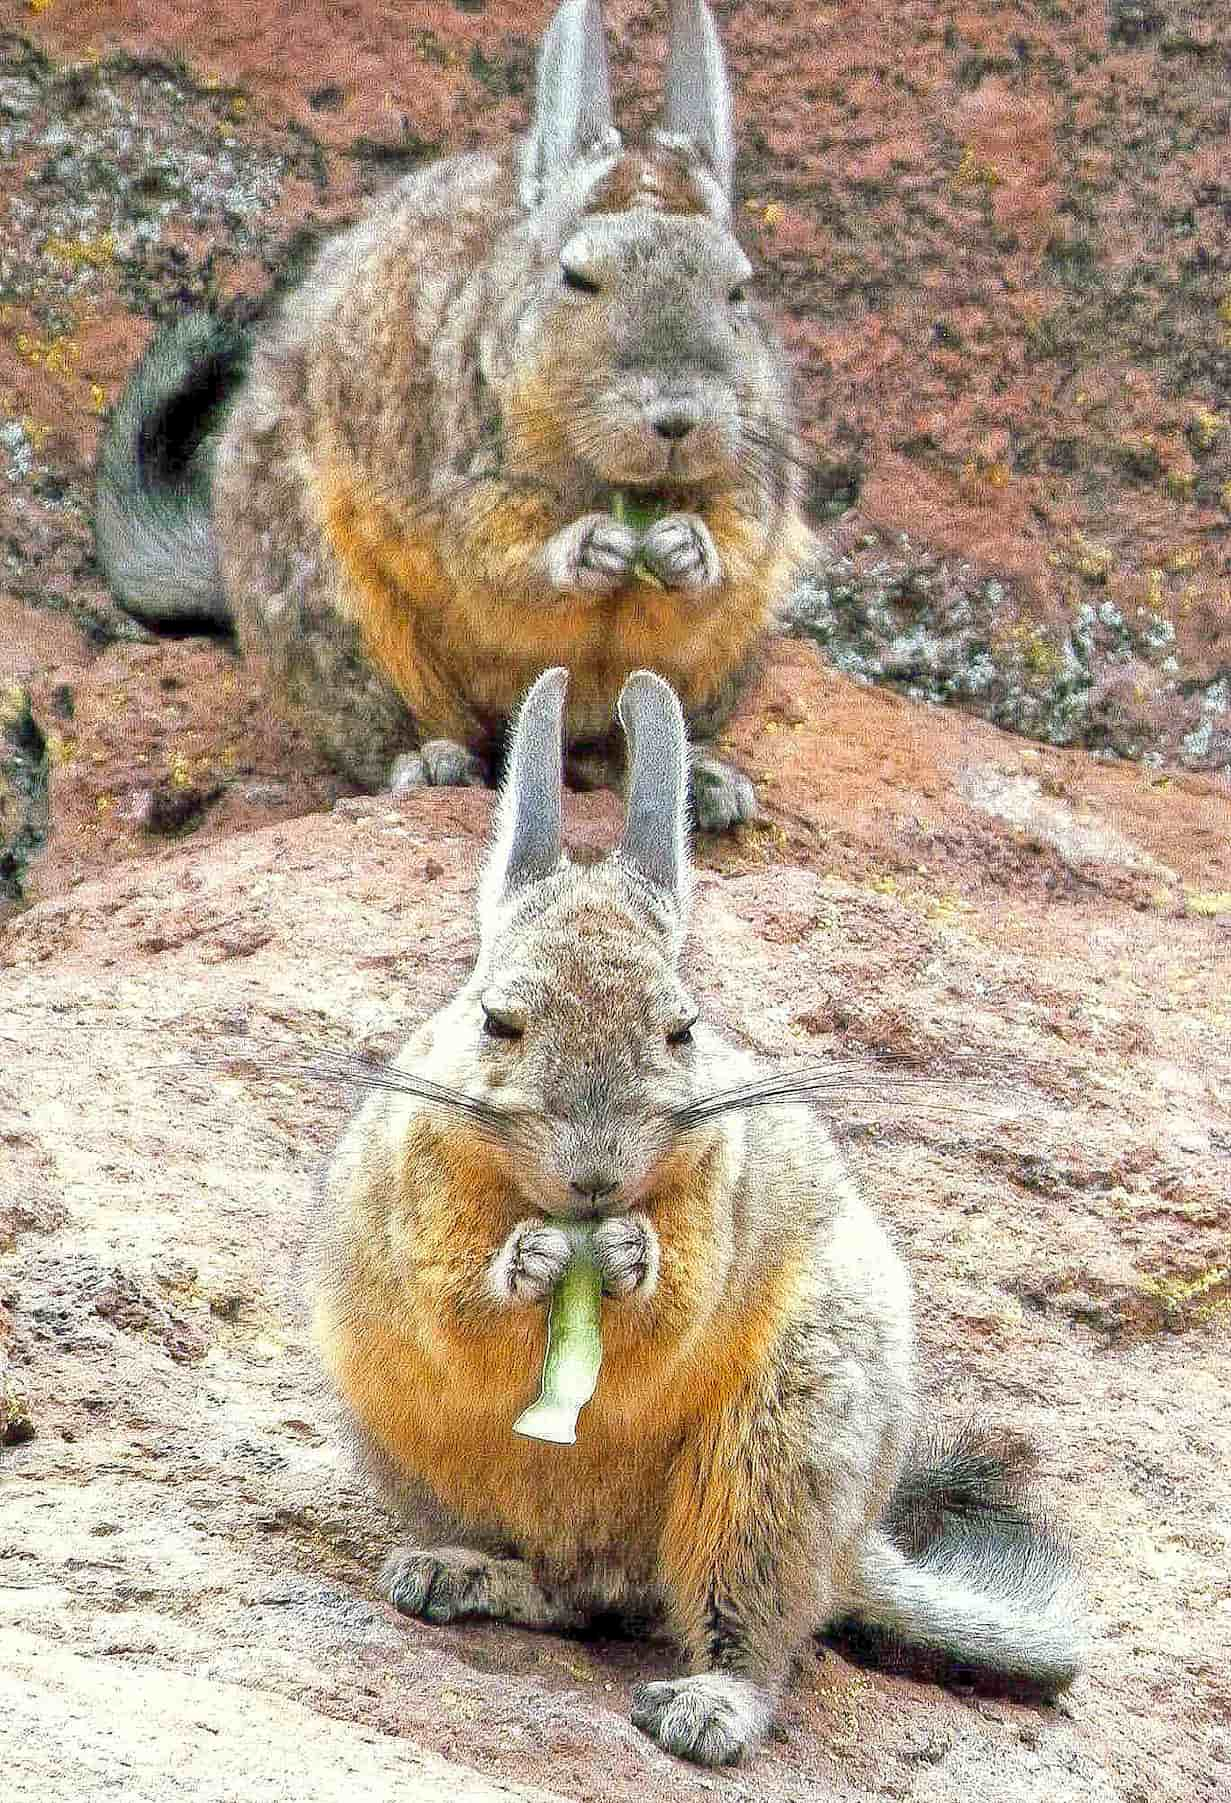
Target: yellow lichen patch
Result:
[1139, 453]
[429, 48]
[1208, 901]
[763, 841]
[180, 771]
[981, 479]
[943, 910]
[1088, 559]
[14, 704]
[81, 253]
[58, 356]
[1203, 428]
[1037, 652]
[973, 172]
[1040, 656]
[583, 1673]
[1190, 1300]
[769, 213]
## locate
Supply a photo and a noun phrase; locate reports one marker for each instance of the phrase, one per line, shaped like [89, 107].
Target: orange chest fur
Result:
[461, 645]
[441, 1403]
[451, 1428]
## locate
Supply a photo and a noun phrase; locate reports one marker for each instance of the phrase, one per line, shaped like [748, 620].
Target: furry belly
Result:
[462, 656]
[589, 1512]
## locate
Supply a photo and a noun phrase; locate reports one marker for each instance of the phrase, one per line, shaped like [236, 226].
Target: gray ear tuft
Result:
[572, 111]
[655, 839]
[528, 842]
[696, 93]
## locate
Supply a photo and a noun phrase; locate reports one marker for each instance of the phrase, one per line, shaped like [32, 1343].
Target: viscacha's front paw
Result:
[722, 797]
[627, 1250]
[439, 764]
[443, 1583]
[679, 549]
[529, 1265]
[712, 1719]
[594, 555]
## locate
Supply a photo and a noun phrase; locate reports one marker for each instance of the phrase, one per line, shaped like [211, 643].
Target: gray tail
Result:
[964, 1581]
[152, 527]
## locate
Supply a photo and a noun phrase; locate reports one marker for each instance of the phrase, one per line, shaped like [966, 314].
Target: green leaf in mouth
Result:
[640, 511]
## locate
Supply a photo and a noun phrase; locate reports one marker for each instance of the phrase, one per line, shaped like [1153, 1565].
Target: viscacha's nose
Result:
[673, 424]
[594, 1189]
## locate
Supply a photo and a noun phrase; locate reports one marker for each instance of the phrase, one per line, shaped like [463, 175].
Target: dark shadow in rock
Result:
[24, 782]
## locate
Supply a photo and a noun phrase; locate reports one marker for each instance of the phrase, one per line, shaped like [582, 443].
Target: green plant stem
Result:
[574, 1345]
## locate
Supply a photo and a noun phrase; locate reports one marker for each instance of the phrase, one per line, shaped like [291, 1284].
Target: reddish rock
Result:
[996, 237]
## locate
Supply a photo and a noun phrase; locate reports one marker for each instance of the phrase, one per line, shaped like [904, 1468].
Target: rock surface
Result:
[220, 1738]
[1054, 954]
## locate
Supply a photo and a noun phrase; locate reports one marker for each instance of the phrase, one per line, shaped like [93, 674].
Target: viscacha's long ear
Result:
[696, 93]
[655, 842]
[528, 838]
[572, 109]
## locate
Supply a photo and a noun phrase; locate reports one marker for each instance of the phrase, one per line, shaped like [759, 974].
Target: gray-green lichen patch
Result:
[19, 459]
[117, 161]
[938, 630]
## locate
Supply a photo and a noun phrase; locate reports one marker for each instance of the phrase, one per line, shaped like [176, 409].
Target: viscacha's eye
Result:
[580, 284]
[498, 1026]
[738, 293]
[682, 1035]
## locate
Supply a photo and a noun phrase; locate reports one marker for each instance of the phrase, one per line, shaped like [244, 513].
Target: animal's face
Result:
[642, 355]
[661, 305]
[571, 1045]
[579, 1030]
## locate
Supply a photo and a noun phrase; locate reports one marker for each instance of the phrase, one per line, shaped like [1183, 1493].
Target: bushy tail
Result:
[963, 1580]
[151, 510]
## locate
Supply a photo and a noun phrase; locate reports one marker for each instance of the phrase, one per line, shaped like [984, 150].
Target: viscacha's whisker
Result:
[500, 1126]
[847, 1092]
